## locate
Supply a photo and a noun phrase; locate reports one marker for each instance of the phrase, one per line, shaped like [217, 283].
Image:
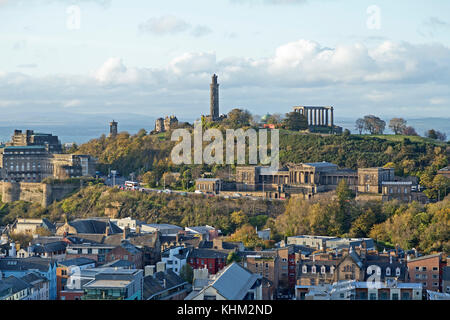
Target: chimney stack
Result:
[126, 231]
[161, 267]
[149, 271]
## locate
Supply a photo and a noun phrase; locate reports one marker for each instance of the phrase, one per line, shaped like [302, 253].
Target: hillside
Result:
[409, 155]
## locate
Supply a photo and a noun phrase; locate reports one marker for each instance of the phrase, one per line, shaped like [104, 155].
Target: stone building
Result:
[319, 118]
[35, 163]
[428, 270]
[30, 138]
[167, 124]
[305, 178]
[214, 99]
[370, 179]
[32, 157]
[113, 129]
[445, 172]
[208, 185]
[308, 179]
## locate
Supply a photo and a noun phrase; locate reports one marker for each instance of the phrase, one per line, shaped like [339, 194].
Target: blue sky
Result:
[156, 57]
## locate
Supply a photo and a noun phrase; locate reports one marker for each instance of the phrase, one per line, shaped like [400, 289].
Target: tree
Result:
[238, 118]
[398, 125]
[431, 134]
[274, 119]
[441, 136]
[343, 192]
[149, 178]
[248, 236]
[295, 121]
[409, 131]
[374, 124]
[360, 125]
[187, 273]
[238, 218]
[233, 257]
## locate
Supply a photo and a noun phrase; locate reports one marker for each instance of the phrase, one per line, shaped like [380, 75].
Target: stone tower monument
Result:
[214, 96]
[113, 129]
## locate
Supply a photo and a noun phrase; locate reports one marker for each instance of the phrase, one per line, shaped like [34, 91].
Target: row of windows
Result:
[425, 269]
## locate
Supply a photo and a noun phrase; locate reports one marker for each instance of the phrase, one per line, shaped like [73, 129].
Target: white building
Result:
[175, 258]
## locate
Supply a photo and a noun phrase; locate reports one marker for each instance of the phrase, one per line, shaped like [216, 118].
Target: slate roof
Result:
[23, 264]
[49, 247]
[12, 285]
[234, 281]
[94, 226]
[153, 285]
[208, 253]
[200, 229]
[320, 164]
[33, 277]
[225, 245]
[119, 264]
[76, 262]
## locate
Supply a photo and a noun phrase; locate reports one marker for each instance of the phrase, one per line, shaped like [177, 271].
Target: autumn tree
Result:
[398, 125]
[238, 118]
[374, 124]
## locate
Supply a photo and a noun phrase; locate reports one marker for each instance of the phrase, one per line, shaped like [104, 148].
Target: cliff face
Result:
[41, 193]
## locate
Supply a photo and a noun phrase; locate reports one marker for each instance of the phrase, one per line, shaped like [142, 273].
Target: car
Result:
[237, 195]
[167, 191]
[198, 191]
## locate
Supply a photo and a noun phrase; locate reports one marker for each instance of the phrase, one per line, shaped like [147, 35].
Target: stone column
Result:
[323, 116]
[326, 117]
[332, 117]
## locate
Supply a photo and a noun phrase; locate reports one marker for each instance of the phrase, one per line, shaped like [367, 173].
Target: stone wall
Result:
[41, 193]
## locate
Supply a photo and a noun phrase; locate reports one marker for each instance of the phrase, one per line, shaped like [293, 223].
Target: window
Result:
[313, 270]
[304, 269]
[424, 268]
[397, 272]
[388, 271]
[322, 270]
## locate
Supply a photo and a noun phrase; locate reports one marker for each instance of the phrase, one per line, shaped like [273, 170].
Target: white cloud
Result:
[355, 78]
[164, 25]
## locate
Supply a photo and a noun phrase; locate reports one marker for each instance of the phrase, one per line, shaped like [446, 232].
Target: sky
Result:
[156, 58]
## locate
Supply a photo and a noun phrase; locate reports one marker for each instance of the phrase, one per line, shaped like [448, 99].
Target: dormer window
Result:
[397, 272]
[388, 271]
[313, 270]
[304, 269]
[322, 270]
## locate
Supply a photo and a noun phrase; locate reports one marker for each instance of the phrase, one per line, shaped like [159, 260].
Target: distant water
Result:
[82, 131]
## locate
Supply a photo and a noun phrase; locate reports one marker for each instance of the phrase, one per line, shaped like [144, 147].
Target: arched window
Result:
[322, 270]
[397, 272]
[313, 270]
[388, 271]
[305, 269]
